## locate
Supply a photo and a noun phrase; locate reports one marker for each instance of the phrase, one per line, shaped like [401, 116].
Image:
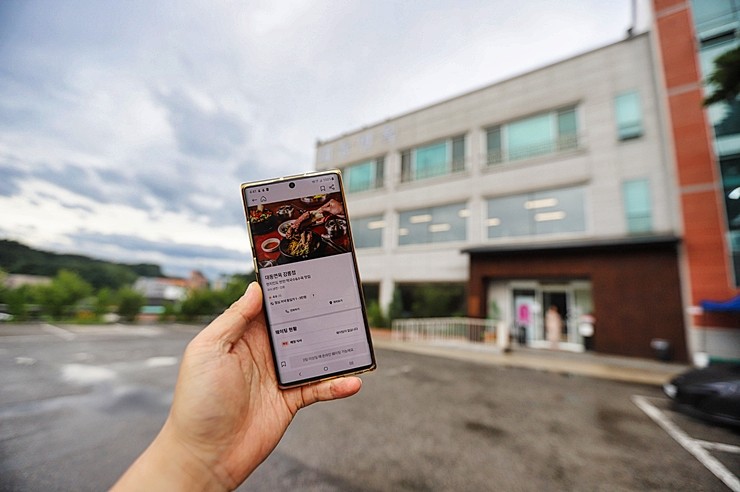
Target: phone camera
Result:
[292, 185]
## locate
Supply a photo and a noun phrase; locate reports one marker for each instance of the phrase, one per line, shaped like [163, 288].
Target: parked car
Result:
[6, 317]
[711, 393]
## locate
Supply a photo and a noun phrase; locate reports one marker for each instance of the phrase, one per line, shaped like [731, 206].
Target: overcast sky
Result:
[127, 127]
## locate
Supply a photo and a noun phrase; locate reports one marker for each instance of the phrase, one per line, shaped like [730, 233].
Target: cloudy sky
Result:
[127, 127]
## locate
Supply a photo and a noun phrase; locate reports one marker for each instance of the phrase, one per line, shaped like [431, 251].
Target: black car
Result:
[711, 393]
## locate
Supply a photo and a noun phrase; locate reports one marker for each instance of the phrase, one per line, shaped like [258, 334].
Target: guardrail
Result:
[445, 330]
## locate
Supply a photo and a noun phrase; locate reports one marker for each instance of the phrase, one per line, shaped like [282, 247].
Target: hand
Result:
[228, 413]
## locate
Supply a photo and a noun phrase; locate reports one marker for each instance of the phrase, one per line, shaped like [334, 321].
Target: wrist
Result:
[168, 464]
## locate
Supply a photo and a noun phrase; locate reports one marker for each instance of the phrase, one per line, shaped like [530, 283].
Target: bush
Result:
[130, 303]
[375, 315]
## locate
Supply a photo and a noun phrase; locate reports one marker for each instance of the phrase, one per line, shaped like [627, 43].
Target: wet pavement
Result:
[626, 369]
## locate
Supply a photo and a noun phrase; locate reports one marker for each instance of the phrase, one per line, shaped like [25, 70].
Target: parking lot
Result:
[716, 448]
[77, 405]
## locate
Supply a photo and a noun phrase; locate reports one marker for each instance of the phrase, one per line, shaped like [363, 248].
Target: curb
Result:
[623, 369]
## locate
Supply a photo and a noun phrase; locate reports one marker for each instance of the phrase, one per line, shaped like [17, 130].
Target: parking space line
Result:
[60, 332]
[693, 446]
[718, 446]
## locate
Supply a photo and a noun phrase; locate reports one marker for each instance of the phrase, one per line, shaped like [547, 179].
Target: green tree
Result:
[65, 290]
[725, 78]
[103, 301]
[200, 303]
[19, 300]
[130, 303]
[375, 315]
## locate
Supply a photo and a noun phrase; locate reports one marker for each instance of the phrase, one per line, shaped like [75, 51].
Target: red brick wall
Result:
[707, 256]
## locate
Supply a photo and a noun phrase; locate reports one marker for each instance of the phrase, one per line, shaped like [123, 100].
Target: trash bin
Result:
[662, 348]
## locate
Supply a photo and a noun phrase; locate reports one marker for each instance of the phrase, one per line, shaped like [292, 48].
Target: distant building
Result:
[197, 280]
[556, 187]
[160, 291]
[15, 280]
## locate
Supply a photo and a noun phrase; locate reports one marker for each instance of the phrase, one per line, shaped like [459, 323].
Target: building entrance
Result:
[528, 303]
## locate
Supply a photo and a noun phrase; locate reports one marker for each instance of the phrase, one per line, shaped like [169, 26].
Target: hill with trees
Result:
[19, 258]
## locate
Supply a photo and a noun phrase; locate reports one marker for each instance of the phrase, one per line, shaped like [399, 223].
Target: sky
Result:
[127, 127]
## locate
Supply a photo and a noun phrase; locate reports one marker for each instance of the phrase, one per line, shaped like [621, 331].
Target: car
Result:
[711, 393]
[6, 317]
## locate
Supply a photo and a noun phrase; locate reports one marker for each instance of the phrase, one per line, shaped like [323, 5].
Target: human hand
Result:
[228, 413]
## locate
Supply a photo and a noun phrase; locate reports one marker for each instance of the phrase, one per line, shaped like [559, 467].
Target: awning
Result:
[733, 305]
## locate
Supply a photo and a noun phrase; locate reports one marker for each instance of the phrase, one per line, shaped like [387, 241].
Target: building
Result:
[705, 144]
[553, 188]
[16, 280]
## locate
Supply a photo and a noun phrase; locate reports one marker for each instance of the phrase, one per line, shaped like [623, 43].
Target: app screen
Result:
[302, 243]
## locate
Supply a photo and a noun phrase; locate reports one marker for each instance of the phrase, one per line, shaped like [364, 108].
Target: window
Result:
[364, 176]
[493, 145]
[730, 168]
[628, 115]
[637, 206]
[436, 159]
[714, 16]
[540, 134]
[367, 232]
[433, 225]
[537, 213]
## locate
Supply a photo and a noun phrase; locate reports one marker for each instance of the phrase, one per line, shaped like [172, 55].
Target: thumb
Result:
[231, 325]
[333, 389]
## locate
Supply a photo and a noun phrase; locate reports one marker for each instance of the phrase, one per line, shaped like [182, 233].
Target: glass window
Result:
[431, 160]
[711, 16]
[458, 154]
[637, 205]
[436, 159]
[628, 115]
[433, 224]
[537, 213]
[567, 129]
[493, 145]
[530, 136]
[367, 232]
[730, 168]
[535, 135]
[364, 176]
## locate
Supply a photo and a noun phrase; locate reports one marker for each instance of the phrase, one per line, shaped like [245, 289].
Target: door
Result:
[555, 304]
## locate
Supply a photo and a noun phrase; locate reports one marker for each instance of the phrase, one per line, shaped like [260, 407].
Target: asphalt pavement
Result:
[615, 368]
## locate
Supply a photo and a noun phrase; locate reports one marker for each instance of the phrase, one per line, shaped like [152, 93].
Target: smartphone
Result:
[305, 261]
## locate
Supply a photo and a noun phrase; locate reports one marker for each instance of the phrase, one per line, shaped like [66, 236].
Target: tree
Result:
[65, 290]
[725, 78]
[200, 303]
[130, 303]
[103, 300]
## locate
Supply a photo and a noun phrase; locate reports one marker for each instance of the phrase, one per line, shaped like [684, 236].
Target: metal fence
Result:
[445, 330]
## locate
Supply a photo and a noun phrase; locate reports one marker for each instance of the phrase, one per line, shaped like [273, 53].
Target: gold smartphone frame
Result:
[368, 337]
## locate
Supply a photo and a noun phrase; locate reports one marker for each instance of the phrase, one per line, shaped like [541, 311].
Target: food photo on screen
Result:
[299, 229]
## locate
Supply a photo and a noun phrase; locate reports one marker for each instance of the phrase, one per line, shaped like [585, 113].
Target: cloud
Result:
[138, 119]
[203, 132]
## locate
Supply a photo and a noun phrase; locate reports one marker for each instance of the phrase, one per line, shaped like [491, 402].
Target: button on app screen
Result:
[308, 277]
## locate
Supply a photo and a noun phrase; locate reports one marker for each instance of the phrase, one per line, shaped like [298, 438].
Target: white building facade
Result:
[567, 157]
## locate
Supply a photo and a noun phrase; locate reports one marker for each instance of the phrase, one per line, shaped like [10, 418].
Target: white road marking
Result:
[718, 446]
[693, 446]
[60, 332]
[163, 361]
[86, 374]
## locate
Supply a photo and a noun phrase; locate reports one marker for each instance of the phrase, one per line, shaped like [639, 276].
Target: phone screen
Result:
[305, 262]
